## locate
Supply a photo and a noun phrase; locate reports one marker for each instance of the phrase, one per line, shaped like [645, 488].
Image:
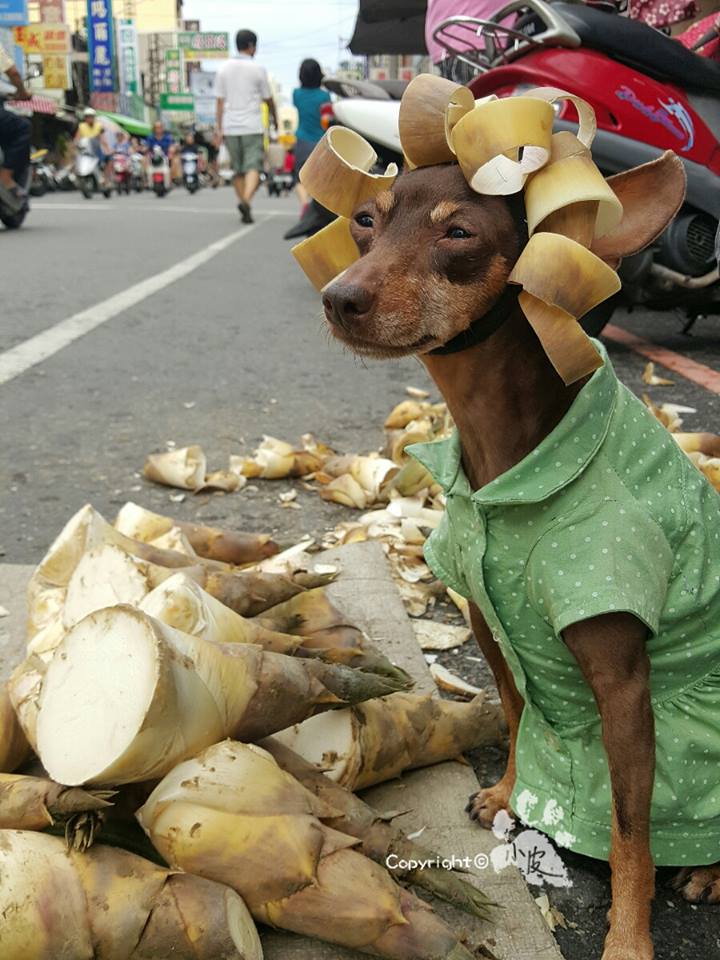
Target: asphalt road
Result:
[226, 352]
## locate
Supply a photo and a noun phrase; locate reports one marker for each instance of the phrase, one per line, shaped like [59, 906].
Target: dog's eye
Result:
[364, 220]
[457, 233]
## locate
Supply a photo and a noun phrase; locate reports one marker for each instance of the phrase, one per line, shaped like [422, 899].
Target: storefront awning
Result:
[137, 127]
[389, 36]
[373, 11]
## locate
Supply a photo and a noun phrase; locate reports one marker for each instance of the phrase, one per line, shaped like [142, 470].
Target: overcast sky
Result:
[288, 30]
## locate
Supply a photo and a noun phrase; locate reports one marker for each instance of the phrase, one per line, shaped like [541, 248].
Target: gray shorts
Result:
[247, 152]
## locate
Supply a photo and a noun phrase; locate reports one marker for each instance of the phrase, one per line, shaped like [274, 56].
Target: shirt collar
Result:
[555, 462]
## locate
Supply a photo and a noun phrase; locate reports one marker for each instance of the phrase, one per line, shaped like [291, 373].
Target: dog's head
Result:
[435, 255]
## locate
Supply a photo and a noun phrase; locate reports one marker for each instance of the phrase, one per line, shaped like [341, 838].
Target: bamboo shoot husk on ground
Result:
[185, 468]
[379, 837]
[126, 697]
[429, 109]
[276, 459]
[107, 904]
[232, 813]
[327, 253]
[336, 173]
[377, 741]
[214, 543]
[14, 747]
[34, 803]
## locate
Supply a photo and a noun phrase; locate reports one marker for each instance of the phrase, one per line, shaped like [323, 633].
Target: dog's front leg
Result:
[485, 804]
[610, 651]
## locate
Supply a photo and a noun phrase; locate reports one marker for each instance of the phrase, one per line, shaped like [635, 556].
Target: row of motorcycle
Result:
[127, 173]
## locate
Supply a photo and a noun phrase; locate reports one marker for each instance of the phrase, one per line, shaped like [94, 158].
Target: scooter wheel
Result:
[14, 221]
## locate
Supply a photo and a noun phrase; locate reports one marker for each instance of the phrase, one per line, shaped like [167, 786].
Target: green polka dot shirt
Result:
[606, 514]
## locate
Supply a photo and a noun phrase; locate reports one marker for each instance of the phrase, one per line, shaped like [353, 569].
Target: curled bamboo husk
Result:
[487, 142]
[213, 543]
[337, 173]
[553, 300]
[571, 180]
[586, 115]
[327, 253]
[430, 108]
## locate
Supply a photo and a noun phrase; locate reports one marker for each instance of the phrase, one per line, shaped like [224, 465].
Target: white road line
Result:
[157, 208]
[30, 352]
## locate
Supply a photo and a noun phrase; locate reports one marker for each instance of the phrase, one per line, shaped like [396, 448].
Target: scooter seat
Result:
[639, 46]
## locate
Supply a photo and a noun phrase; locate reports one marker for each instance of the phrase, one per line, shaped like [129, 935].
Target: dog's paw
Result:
[633, 951]
[699, 884]
[484, 805]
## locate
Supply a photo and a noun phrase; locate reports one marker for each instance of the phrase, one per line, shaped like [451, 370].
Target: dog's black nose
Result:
[345, 304]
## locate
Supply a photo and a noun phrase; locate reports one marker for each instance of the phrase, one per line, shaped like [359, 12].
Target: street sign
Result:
[52, 11]
[177, 101]
[173, 71]
[13, 13]
[128, 56]
[204, 45]
[100, 36]
[55, 72]
[43, 38]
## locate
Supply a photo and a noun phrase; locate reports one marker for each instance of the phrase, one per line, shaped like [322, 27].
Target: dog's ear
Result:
[651, 195]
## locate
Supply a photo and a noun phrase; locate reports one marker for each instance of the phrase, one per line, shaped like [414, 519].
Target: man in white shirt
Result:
[242, 87]
[14, 139]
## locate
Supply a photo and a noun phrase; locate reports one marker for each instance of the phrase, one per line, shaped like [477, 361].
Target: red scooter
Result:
[121, 173]
[649, 94]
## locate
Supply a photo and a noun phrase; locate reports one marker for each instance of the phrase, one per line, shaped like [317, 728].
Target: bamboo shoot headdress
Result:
[503, 146]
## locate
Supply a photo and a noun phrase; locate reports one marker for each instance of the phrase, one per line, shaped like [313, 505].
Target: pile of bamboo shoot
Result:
[139, 668]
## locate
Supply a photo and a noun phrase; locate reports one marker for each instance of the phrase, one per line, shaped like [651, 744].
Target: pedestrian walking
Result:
[308, 99]
[242, 87]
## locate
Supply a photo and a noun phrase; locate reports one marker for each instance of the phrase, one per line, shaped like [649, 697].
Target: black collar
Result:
[484, 326]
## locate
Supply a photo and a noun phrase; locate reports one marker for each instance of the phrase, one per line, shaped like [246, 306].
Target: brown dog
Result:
[435, 258]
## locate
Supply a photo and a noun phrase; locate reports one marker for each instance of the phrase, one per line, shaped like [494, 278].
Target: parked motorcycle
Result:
[88, 175]
[190, 172]
[137, 172]
[649, 94]
[159, 171]
[121, 173]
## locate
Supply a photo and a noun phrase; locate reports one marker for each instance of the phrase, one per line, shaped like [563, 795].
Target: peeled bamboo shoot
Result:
[377, 741]
[126, 697]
